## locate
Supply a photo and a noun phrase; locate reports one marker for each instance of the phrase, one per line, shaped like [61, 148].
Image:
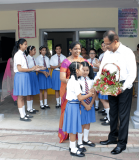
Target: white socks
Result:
[31, 104]
[21, 112]
[45, 102]
[97, 103]
[41, 102]
[57, 101]
[23, 109]
[80, 135]
[86, 133]
[28, 105]
[73, 147]
[107, 111]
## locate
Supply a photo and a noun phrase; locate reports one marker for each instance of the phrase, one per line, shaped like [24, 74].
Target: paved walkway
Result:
[36, 145]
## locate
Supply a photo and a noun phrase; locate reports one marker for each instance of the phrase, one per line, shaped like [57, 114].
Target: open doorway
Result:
[51, 39]
[91, 39]
[7, 41]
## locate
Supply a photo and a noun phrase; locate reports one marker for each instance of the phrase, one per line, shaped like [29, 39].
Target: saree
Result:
[64, 68]
[8, 81]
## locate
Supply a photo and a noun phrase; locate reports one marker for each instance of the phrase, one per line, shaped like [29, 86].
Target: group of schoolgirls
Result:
[80, 111]
[28, 83]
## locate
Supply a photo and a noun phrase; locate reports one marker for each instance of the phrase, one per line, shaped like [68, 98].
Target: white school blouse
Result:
[54, 60]
[39, 61]
[30, 61]
[89, 60]
[19, 59]
[73, 89]
[90, 83]
[125, 59]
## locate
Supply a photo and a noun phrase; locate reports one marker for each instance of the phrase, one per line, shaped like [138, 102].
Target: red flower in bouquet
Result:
[108, 73]
[105, 79]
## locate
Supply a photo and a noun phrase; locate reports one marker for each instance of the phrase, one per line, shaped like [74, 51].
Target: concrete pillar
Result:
[135, 118]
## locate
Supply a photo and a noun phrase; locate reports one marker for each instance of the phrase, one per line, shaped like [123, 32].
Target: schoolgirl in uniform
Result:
[22, 83]
[55, 64]
[44, 76]
[87, 107]
[72, 117]
[92, 60]
[31, 51]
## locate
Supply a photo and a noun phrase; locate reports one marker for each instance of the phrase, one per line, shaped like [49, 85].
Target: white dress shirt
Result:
[19, 59]
[89, 60]
[54, 60]
[90, 83]
[125, 59]
[73, 89]
[39, 61]
[30, 61]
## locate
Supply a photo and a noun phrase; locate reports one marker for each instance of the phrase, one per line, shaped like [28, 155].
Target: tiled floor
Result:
[45, 119]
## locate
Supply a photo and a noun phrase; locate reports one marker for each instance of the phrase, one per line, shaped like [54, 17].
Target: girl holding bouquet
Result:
[87, 106]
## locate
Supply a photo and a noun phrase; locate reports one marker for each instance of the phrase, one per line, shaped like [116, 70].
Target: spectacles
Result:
[108, 44]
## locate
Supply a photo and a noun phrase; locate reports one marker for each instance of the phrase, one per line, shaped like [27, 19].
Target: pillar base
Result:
[135, 124]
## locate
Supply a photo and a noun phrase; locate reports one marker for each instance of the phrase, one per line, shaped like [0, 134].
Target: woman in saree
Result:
[8, 81]
[75, 49]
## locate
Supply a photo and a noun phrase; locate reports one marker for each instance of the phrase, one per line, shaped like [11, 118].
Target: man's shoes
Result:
[60, 106]
[106, 123]
[117, 150]
[108, 142]
[104, 119]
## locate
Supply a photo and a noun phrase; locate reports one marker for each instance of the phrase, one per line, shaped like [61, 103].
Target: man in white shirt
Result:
[119, 105]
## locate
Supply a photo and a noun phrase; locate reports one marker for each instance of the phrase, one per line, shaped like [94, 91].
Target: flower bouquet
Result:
[107, 84]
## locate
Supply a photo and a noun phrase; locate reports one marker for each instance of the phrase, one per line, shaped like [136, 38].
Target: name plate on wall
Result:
[27, 24]
[128, 22]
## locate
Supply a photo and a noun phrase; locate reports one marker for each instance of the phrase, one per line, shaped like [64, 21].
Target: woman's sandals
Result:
[77, 154]
[89, 143]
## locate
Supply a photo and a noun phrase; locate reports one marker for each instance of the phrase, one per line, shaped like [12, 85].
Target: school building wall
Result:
[67, 18]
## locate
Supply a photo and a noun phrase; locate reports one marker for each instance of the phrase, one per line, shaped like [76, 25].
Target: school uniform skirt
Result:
[72, 117]
[44, 83]
[100, 96]
[56, 83]
[87, 117]
[34, 83]
[22, 84]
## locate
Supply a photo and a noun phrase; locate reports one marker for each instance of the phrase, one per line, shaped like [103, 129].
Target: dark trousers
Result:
[120, 106]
